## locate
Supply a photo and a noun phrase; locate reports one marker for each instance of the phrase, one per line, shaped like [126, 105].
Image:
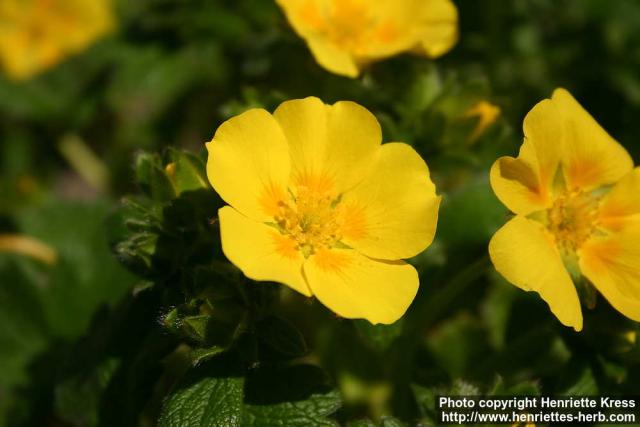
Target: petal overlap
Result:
[612, 264]
[512, 250]
[576, 197]
[355, 286]
[524, 184]
[252, 143]
[403, 228]
[260, 251]
[591, 157]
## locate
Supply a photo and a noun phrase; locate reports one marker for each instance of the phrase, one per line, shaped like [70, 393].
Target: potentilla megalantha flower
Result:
[37, 34]
[345, 35]
[317, 203]
[576, 196]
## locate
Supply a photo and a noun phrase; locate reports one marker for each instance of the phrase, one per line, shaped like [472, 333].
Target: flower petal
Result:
[591, 157]
[311, 20]
[333, 144]
[249, 163]
[63, 29]
[440, 23]
[304, 123]
[524, 184]
[354, 286]
[306, 17]
[526, 255]
[331, 57]
[620, 208]
[260, 251]
[612, 264]
[388, 27]
[393, 213]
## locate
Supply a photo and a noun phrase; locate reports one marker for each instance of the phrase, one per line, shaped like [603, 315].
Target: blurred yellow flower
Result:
[317, 203]
[28, 246]
[631, 337]
[344, 35]
[38, 34]
[486, 113]
[576, 196]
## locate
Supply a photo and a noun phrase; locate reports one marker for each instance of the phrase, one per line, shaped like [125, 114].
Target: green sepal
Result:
[153, 178]
[186, 171]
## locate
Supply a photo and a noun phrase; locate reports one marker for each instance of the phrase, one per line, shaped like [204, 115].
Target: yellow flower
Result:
[38, 34]
[28, 246]
[576, 196]
[631, 337]
[487, 113]
[317, 203]
[344, 35]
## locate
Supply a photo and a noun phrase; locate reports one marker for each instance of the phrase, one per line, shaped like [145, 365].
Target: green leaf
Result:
[462, 222]
[391, 422]
[23, 327]
[495, 311]
[296, 396]
[424, 90]
[200, 355]
[385, 421]
[205, 325]
[581, 379]
[458, 343]
[280, 335]
[149, 79]
[464, 388]
[196, 326]
[426, 400]
[158, 238]
[77, 400]
[172, 320]
[379, 337]
[361, 423]
[153, 178]
[86, 274]
[37, 303]
[204, 401]
[125, 339]
[523, 388]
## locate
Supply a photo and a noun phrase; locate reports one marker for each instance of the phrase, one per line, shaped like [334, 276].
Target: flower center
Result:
[309, 218]
[573, 218]
[348, 24]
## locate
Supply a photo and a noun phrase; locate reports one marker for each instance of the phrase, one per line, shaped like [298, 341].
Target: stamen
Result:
[309, 217]
[573, 218]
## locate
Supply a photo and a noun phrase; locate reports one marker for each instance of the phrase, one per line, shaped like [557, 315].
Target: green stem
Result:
[422, 319]
[442, 300]
[84, 161]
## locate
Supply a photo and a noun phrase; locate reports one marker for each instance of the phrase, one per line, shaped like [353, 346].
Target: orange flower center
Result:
[573, 218]
[348, 24]
[310, 218]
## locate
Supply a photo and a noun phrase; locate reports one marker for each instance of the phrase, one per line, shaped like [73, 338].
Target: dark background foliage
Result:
[142, 319]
